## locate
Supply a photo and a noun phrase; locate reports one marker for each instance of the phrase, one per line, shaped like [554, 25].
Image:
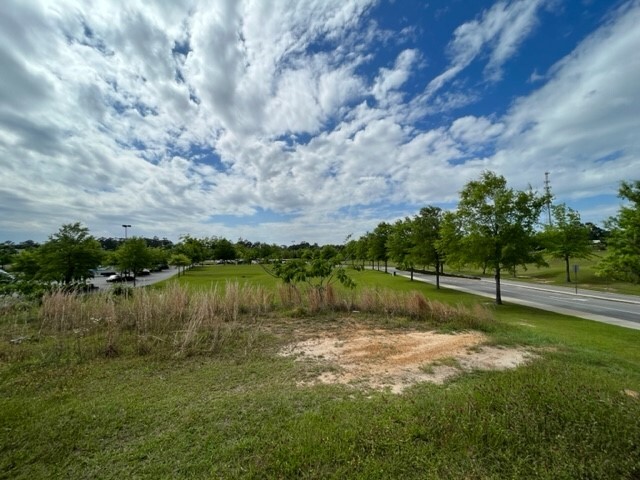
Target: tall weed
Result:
[187, 322]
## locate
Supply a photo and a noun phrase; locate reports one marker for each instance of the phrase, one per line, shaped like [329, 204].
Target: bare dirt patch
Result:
[381, 359]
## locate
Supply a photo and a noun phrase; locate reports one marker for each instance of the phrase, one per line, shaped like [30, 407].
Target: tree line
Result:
[498, 229]
[72, 254]
[494, 227]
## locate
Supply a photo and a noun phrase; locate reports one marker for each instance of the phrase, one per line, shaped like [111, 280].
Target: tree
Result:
[378, 244]
[193, 248]
[267, 252]
[364, 249]
[496, 225]
[69, 255]
[623, 245]
[427, 249]
[109, 244]
[27, 263]
[245, 250]
[356, 252]
[223, 249]
[133, 255]
[596, 233]
[318, 268]
[567, 238]
[401, 244]
[159, 256]
[179, 260]
[7, 252]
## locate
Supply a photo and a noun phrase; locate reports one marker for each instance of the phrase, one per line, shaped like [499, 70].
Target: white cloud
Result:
[101, 117]
[474, 130]
[501, 29]
[392, 79]
[582, 125]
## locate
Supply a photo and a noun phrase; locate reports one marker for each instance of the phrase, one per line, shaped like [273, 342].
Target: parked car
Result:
[118, 277]
[106, 271]
[144, 272]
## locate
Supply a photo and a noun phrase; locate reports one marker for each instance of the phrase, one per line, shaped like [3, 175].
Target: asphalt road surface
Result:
[616, 309]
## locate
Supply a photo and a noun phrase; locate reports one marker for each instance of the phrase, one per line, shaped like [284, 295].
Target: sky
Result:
[287, 121]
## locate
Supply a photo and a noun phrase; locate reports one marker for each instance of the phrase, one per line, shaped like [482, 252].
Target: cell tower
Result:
[547, 191]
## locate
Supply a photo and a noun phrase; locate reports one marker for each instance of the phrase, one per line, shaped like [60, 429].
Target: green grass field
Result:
[205, 277]
[240, 412]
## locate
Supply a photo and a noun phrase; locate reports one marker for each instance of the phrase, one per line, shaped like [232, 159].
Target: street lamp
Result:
[126, 272]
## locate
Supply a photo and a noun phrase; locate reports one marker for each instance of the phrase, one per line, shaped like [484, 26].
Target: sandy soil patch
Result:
[381, 359]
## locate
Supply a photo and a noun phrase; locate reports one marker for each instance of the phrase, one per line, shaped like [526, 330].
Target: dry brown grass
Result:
[289, 295]
[415, 306]
[188, 322]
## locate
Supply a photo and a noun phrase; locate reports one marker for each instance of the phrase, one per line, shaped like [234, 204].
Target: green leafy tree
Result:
[317, 268]
[567, 238]
[378, 251]
[356, 252]
[7, 252]
[223, 249]
[179, 260]
[364, 249]
[351, 252]
[450, 240]
[27, 263]
[109, 258]
[597, 234]
[496, 226]
[195, 249]
[267, 252]
[402, 243]
[159, 256]
[245, 251]
[69, 255]
[133, 255]
[623, 245]
[427, 232]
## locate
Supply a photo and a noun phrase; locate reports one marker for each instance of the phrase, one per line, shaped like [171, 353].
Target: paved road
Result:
[101, 282]
[621, 310]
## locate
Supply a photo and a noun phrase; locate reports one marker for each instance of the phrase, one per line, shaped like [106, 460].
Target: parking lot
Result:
[101, 282]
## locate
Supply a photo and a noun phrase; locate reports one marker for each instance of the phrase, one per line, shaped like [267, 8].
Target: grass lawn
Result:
[241, 411]
[205, 277]
[217, 276]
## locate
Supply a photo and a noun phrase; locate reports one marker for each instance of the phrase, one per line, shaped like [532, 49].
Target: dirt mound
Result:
[381, 359]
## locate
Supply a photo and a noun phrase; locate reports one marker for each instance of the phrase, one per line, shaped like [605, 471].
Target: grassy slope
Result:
[239, 414]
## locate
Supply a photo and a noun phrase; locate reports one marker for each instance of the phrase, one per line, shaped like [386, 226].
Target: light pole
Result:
[126, 272]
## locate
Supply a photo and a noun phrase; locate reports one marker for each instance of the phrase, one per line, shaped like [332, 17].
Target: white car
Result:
[119, 278]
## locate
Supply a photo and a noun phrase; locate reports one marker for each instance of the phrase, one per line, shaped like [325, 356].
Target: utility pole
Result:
[547, 191]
